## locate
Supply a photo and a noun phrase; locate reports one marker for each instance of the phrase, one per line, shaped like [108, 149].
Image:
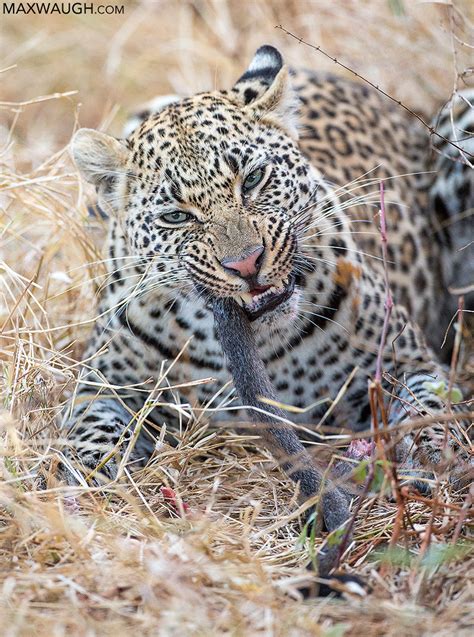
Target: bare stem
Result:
[388, 295]
[431, 129]
[456, 349]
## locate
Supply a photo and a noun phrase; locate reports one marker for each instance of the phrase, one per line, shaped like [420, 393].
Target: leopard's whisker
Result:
[325, 318]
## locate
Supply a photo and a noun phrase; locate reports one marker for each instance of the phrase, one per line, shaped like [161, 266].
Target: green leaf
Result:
[440, 388]
[306, 531]
[361, 472]
[379, 476]
[396, 7]
[456, 395]
[439, 554]
[335, 537]
[394, 556]
[10, 465]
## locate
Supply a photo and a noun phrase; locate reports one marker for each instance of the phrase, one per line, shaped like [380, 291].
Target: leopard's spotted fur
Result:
[323, 143]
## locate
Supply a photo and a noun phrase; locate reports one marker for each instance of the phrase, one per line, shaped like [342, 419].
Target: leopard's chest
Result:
[307, 368]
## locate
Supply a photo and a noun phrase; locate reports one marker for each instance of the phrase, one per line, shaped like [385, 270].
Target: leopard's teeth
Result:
[247, 298]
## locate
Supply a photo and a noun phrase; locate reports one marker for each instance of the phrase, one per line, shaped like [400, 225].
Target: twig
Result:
[428, 501]
[350, 526]
[388, 295]
[463, 514]
[390, 468]
[37, 100]
[429, 529]
[430, 128]
[377, 405]
[376, 394]
[456, 349]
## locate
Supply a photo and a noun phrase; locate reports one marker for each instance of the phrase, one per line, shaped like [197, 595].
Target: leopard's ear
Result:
[98, 156]
[102, 160]
[265, 90]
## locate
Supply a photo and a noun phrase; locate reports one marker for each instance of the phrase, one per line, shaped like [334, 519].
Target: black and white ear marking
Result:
[265, 65]
[265, 89]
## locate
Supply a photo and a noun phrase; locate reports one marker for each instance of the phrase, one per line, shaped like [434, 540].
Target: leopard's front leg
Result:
[440, 446]
[110, 411]
[98, 433]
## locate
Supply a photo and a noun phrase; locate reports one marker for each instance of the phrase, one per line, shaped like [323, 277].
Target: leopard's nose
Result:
[247, 264]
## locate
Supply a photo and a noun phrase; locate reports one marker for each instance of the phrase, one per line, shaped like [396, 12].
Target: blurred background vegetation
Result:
[414, 49]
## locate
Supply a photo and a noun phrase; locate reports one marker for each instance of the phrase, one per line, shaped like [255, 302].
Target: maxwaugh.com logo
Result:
[62, 8]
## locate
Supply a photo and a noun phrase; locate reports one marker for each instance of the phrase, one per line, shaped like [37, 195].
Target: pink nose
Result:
[248, 265]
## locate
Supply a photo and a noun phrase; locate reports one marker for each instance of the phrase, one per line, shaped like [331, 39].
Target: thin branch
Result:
[430, 128]
[388, 294]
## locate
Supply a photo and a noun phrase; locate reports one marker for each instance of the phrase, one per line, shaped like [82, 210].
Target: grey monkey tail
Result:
[252, 382]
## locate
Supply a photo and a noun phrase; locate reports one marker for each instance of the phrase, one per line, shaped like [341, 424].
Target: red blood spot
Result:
[170, 497]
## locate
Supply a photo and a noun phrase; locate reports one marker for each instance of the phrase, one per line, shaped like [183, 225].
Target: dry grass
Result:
[121, 559]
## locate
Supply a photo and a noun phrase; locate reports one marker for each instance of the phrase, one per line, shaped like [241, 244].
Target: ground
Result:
[130, 557]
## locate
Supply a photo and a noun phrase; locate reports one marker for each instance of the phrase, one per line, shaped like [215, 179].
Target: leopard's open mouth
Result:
[263, 299]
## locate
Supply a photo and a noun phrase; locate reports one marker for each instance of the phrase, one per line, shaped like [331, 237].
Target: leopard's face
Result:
[213, 190]
[217, 201]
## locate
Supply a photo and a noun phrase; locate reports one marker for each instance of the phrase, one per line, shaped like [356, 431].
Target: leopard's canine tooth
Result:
[247, 298]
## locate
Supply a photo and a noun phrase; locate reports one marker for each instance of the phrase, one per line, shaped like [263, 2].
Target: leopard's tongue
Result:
[259, 289]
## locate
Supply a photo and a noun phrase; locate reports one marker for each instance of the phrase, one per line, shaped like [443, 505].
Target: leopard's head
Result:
[210, 190]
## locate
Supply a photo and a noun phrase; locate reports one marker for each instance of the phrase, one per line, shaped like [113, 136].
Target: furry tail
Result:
[252, 383]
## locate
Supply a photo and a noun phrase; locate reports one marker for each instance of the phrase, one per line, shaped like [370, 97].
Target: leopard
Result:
[270, 194]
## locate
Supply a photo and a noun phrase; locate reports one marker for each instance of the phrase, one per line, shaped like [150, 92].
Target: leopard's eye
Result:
[176, 217]
[252, 180]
